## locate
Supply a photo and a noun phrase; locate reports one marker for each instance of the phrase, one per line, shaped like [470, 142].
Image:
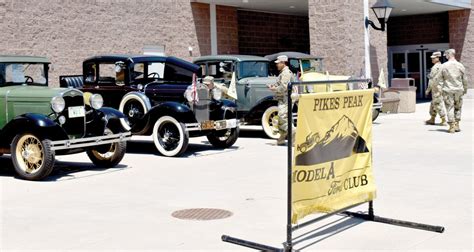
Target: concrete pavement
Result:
[422, 173]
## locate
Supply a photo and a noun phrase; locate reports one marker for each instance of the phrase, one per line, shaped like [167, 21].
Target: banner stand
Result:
[290, 228]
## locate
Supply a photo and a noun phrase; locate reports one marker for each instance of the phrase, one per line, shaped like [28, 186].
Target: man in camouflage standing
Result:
[280, 88]
[453, 76]
[435, 87]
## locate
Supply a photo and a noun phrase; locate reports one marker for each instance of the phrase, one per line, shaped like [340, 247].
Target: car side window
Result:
[177, 73]
[294, 65]
[90, 73]
[107, 74]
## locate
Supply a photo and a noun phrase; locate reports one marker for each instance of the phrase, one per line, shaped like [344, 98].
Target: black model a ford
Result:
[150, 91]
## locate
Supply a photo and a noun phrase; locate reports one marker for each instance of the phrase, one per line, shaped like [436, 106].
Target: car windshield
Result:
[312, 65]
[23, 73]
[253, 69]
[147, 72]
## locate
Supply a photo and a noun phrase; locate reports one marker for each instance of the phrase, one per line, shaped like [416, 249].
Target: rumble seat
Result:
[73, 81]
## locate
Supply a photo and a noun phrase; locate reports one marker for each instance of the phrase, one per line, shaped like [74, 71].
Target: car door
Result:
[171, 87]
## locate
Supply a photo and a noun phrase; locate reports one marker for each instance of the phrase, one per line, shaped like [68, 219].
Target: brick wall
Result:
[419, 29]
[69, 31]
[227, 28]
[267, 33]
[461, 38]
[337, 34]
[202, 21]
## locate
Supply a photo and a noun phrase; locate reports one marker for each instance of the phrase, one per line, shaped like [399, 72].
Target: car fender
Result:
[116, 120]
[226, 110]
[141, 97]
[35, 123]
[177, 110]
[256, 112]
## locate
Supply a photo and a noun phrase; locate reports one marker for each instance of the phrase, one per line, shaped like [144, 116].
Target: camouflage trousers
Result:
[282, 117]
[453, 102]
[437, 105]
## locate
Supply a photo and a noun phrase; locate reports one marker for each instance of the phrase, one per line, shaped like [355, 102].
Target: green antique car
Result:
[38, 122]
[255, 102]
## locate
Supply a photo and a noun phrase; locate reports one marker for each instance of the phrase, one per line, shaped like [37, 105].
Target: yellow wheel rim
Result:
[30, 154]
[110, 152]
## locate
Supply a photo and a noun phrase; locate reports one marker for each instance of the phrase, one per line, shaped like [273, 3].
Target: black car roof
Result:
[143, 58]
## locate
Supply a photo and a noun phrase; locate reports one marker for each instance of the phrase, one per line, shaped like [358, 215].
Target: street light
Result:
[382, 9]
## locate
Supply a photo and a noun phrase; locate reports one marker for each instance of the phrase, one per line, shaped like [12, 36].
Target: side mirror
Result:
[222, 70]
[221, 64]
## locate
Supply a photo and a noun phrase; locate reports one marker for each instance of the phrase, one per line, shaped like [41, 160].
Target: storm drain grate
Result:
[201, 214]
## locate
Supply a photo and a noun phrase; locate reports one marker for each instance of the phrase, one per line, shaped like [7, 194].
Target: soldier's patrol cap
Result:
[436, 55]
[208, 80]
[281, 58]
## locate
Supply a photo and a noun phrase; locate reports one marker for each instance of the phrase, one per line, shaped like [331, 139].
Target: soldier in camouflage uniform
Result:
[280, 88]
[453, 76]
[434, 86]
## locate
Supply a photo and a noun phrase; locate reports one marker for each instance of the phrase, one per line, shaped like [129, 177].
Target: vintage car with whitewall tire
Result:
[150, 91]
[250, 76]
[308, 67]
[38, 122]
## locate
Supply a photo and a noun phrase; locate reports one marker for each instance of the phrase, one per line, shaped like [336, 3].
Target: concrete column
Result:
[213, 25]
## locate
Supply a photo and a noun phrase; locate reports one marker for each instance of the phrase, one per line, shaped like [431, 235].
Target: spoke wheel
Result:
[270, 122]
[170, 137]
[32, 157]
[134, 110]
[108, 155]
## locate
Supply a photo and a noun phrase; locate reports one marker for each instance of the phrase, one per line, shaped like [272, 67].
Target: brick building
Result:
[67, 31]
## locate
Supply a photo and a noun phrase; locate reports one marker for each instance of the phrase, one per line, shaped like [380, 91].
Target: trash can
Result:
[407, 94]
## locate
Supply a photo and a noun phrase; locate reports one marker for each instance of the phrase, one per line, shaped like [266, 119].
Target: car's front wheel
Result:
[224, 138]
[170, 137]
[270, 122]
[32, 156]
[108, 155]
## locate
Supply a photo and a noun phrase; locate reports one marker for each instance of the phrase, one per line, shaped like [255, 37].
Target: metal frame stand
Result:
[290, 228]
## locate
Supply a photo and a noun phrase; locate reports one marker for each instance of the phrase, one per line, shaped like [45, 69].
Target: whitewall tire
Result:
[170, 137]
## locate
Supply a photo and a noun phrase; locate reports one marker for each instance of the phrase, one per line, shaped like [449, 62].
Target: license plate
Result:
[75, 112]
[207, 125]
[221, 125]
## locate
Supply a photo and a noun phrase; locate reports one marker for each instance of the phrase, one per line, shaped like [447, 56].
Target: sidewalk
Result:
[423, 174]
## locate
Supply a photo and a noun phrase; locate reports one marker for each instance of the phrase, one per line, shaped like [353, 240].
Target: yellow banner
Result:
[332, 166]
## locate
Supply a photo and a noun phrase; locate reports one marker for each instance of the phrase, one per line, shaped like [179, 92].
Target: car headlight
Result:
[96, 101]
[217, 94]
[58, 104]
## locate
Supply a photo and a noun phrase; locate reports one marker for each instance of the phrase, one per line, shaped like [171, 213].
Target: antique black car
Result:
[150, 91]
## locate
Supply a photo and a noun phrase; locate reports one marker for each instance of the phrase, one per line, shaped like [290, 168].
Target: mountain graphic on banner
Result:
[341, 141]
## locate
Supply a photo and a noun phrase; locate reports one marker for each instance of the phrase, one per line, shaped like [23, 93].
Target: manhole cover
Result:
[201, 214]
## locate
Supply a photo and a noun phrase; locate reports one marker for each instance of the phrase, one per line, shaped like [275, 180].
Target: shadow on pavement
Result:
[253, 134]
[148, 147]
[61, 169]
[326, 231]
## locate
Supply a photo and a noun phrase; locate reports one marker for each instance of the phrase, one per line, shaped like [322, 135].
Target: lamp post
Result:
[382, 10]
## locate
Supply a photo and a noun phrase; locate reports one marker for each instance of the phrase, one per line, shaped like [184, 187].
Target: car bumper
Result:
[213, 125]
[89, 141]
[377, 105]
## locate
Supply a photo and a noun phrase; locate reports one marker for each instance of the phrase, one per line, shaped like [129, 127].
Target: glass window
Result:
[176, 73]
[107, 74]
[23, 73]
[312, 65]
[220, 70]
[253, 69]
[90, 72]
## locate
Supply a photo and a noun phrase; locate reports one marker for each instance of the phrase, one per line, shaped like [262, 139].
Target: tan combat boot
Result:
[443, 121]
[451, 128]
[456, 127]
[431, 121]
[281, 140]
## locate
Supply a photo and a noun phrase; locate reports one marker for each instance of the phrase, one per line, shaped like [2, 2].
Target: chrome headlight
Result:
[217, 94]
[58, 104]
[96, 101]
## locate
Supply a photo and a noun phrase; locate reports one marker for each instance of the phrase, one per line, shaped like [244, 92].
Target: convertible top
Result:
[292, 55]
[143, 58]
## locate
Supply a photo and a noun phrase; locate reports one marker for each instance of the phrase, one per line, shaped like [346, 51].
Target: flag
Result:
[232, 92]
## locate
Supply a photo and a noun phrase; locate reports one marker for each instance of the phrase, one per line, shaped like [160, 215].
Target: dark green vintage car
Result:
[38, 122]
